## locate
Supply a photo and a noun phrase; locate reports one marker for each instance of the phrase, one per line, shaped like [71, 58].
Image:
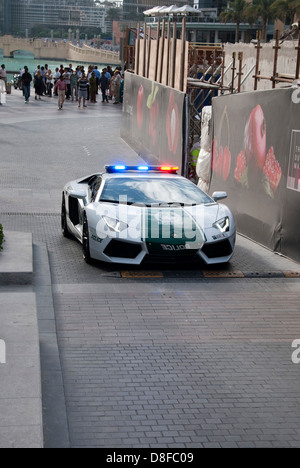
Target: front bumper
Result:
[124, 252]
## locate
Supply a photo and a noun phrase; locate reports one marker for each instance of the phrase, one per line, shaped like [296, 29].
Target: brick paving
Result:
[180, 368]
[172, 361]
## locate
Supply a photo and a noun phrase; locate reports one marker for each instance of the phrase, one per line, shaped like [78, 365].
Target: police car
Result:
[131, 214]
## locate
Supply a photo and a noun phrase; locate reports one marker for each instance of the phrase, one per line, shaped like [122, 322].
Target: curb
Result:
[16, 259]
[56, 431]
[208, 274]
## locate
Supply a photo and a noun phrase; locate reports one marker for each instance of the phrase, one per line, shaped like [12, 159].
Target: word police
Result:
[160, 457]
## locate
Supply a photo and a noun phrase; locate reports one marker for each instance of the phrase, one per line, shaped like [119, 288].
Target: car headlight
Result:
[223, 224]
[114, 224]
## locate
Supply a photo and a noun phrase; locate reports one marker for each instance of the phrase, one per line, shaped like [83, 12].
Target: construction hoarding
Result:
[256, 159]
[153, 120]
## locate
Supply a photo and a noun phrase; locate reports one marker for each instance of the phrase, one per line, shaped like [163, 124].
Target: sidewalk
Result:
[20, 375]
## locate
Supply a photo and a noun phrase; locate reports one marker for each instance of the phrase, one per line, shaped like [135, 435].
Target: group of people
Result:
[74, 84]
[81, 86]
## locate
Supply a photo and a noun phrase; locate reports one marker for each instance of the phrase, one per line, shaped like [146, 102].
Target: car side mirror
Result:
[217, 196]
[80, 194]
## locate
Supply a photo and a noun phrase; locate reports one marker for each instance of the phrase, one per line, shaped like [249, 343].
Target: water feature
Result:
[21, 59]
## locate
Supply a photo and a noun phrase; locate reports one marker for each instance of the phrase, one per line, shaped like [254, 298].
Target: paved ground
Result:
[20, 389]
[173, 360]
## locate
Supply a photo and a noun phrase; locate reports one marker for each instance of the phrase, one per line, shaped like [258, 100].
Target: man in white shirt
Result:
[3, 75]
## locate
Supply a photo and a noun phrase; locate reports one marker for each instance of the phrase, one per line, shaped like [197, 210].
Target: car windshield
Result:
[149, 191]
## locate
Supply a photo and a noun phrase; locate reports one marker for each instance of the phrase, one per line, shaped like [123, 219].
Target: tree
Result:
[286, 10]
[113, 14]
[263, 9]
[235, 12]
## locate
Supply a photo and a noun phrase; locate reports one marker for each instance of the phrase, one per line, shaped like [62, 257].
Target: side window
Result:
[95, 187]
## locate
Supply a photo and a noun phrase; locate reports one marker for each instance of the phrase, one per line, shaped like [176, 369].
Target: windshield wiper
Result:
[108, 201]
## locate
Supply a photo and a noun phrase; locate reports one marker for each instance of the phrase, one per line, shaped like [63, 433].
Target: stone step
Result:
[16, 259]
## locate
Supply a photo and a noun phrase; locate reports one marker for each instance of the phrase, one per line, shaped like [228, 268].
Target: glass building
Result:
[21, 15]
[5, 16]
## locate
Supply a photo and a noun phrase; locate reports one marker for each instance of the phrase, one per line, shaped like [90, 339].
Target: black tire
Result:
[64, 226]
[86, 241]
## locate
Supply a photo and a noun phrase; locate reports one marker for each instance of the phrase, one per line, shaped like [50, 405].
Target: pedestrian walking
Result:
[82, 89]
[3, 75]
[97, 75]
[48, 81]
[104, 85]
[61, 88]
[56, 78]
[74, 85]
[93, 87]
[39, 85]
[26, 82]
[67, 76]
[2, 92]
[116, 83]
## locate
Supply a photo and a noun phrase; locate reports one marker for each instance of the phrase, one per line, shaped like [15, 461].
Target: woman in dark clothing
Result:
[104, 84]
[39, 85]
[93, 87]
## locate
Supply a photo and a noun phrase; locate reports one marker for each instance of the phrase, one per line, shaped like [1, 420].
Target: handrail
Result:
[216, 45]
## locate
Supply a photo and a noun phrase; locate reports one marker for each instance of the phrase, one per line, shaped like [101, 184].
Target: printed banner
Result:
[256, 159]
[152, 121]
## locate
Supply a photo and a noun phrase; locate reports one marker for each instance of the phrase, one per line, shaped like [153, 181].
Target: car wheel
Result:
[86, 241]
[64, 226]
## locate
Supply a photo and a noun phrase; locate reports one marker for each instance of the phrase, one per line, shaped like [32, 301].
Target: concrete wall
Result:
[287, 57]
[58, 51]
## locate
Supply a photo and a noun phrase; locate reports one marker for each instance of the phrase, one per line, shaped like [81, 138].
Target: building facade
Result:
[18, 16]
[5, 16]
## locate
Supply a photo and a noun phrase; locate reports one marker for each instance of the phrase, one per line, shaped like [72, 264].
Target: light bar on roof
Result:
[122, 168]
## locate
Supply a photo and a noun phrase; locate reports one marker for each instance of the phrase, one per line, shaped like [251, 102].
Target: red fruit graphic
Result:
[139, 111]
[240, 167]
[241, 170]
[272, 170]
[172, 124]
[255, 138]
[226, 163]
[219, 164]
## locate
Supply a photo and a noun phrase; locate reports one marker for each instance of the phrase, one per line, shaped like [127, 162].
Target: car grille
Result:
[122, 249]
[217, 249]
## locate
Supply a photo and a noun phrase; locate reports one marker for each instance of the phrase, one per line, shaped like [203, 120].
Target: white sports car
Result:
[131, 214]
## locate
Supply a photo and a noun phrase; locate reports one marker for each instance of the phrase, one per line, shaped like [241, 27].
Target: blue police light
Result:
[119, 168]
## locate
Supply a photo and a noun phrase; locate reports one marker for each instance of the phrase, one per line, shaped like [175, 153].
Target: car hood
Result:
[175, 223]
